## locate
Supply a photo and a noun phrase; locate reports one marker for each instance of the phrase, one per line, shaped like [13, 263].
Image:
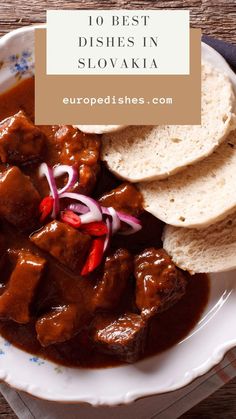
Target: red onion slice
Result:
[88, 208]
[78, 208]
[71, 171]
[133, 222]
[108, 235]
[94, 214]
[115, 225]
[105, 210]
[45, 170]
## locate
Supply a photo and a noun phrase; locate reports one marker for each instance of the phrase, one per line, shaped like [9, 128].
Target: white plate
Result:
[195, 355]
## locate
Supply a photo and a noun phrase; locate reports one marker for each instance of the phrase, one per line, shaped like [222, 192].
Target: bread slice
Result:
[207, 250]
[141, 153]
[201, 195]
[99, 129]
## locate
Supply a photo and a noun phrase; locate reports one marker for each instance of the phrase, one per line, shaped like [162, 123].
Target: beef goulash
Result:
[84, 278]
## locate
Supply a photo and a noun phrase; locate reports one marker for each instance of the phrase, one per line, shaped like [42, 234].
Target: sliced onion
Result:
[45, 170]
[72, 176]
[133, 222]
[108, 235]
[115, 219]
[105, 210]
[94, 214]
[78, 208]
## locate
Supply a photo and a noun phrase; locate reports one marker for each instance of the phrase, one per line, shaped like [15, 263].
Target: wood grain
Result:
[217, 19]
[221, 405]
[5, 410]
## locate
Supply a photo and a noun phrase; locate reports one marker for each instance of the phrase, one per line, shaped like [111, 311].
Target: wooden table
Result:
[216, 18]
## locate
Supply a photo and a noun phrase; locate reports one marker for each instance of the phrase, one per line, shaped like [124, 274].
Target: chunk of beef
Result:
[159, 284]
[19, 199]
[67, 245]
[123, 337]
[125, 198]
[20, 140]
[110, 288]
[82, 151]
[60, 325]
[16, 299]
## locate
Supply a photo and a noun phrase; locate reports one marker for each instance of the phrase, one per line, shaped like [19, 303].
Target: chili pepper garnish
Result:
[95, 256]
[96, 228]
[69, 217]
[46, 207]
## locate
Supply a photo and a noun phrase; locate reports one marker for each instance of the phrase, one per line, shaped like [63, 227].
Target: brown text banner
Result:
[117, 99]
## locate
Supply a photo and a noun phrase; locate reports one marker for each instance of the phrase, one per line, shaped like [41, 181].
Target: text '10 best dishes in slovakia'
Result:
[85, 280]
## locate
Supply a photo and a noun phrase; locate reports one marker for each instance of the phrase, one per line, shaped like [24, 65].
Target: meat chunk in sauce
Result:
[20, 290]
[82, 151]
[159, 284]
[110, 288]
[19, 199]
[59, 325]
[67, 245]
[125, 198]
[20, 140]
[123, 337]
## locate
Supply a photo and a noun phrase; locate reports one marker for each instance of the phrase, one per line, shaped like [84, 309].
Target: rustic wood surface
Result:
[216, 18]
[5, 410]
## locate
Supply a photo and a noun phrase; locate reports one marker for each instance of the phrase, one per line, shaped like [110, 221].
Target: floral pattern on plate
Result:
[20, 64]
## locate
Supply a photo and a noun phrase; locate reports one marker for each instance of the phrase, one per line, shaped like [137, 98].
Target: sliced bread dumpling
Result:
[200, 195]
[141, 153]
[99, 129]
[207, 250]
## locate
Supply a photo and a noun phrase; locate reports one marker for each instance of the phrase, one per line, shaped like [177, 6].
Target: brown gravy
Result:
[166, 329]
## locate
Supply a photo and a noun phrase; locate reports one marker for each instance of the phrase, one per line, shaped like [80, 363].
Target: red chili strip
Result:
[46, 207]
[69, 217]
[96, 228]
[95, 256]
